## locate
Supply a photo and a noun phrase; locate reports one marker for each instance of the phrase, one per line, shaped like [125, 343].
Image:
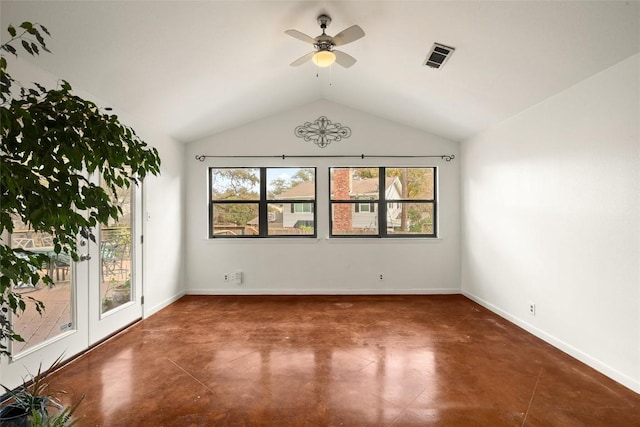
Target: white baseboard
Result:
[322, 291]
[148, 311]
[585, 358]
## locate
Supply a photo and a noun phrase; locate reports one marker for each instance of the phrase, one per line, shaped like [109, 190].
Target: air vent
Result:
[438, 55]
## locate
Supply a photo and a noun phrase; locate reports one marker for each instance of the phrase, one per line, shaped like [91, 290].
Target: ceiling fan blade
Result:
[301, 36]
[344, 59]
[349, 35]
[302, 59]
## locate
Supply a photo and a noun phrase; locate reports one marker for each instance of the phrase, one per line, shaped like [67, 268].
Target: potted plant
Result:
[122, 292]
[34, 404]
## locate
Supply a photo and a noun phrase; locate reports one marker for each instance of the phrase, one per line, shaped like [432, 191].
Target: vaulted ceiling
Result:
[194, 68]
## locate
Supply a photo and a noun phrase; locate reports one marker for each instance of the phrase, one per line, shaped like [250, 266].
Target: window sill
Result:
[262, 240]
[331, 240]
[399, 239]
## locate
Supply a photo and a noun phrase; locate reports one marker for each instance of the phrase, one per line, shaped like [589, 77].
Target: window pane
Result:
[410, 218]
[235, 219]
[354, 183]
[58, 317]
[285, 220]
[291, 183]
[116, 254]
[409, 183]
[347, 220]
[235, 184]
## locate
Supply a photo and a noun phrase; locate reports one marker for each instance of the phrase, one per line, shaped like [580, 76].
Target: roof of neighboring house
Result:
[370, 185]
[304, 190]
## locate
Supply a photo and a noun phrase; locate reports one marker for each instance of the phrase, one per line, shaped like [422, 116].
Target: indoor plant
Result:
[50, 140]
[35, 404]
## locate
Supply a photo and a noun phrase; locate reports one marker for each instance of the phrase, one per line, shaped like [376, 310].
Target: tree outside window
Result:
[262, 202]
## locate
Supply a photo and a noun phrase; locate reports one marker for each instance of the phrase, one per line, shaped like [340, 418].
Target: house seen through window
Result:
[383, 202]
[262, 202]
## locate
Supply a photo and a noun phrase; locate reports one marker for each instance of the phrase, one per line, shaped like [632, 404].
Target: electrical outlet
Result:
[532, 309]
[381, 277]
[226, 277]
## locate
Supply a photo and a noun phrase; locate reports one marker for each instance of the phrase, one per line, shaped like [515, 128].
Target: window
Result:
[383, 202]
[262, 202]
[365, 207]
[302, 207]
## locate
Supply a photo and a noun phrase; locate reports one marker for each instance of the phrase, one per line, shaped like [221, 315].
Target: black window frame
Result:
[263, 202]
[382, 204]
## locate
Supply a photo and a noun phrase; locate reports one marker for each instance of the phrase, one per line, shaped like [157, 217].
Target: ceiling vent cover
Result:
[438, 55]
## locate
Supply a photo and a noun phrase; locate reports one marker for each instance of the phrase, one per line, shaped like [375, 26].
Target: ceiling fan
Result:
[325, 55]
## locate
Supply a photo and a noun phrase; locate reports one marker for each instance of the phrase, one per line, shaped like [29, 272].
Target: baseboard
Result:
[323, 291]
[146, 312]
[585, 358]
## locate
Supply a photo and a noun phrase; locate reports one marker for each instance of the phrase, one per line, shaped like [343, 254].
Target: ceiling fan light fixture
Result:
[323, 55]
[324, 58]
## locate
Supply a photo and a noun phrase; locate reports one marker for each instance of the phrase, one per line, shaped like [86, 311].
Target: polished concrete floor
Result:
[337, 361]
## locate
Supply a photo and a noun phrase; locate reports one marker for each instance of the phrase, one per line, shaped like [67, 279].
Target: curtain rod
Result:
[446, 157]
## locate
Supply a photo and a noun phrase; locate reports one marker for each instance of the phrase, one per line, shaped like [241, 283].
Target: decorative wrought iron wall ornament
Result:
[322, 132]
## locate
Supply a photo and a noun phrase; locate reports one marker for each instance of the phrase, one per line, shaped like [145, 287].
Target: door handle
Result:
[85, 257]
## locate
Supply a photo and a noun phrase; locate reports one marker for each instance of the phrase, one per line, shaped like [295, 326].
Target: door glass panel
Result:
[58, 316]
[116, 254]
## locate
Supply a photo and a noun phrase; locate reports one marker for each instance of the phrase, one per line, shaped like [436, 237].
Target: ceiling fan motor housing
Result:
[324, 21]
[323, 41]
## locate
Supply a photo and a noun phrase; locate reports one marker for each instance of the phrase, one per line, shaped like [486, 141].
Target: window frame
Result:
[383, 205]
[263, 202]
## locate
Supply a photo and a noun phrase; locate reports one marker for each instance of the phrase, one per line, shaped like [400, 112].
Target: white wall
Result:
[322, 266]
[551, 216]
[163, 223]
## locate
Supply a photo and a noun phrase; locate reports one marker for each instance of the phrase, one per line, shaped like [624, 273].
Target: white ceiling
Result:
[194, 68]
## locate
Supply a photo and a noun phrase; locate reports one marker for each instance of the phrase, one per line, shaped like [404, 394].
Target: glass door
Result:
[89, 301]
[62, 328]
[115, 288]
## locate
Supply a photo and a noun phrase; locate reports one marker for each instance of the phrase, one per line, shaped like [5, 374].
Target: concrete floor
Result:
[337, 361]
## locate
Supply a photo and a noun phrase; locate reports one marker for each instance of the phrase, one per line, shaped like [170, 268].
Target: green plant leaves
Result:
[27, 46]
[49, 140]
